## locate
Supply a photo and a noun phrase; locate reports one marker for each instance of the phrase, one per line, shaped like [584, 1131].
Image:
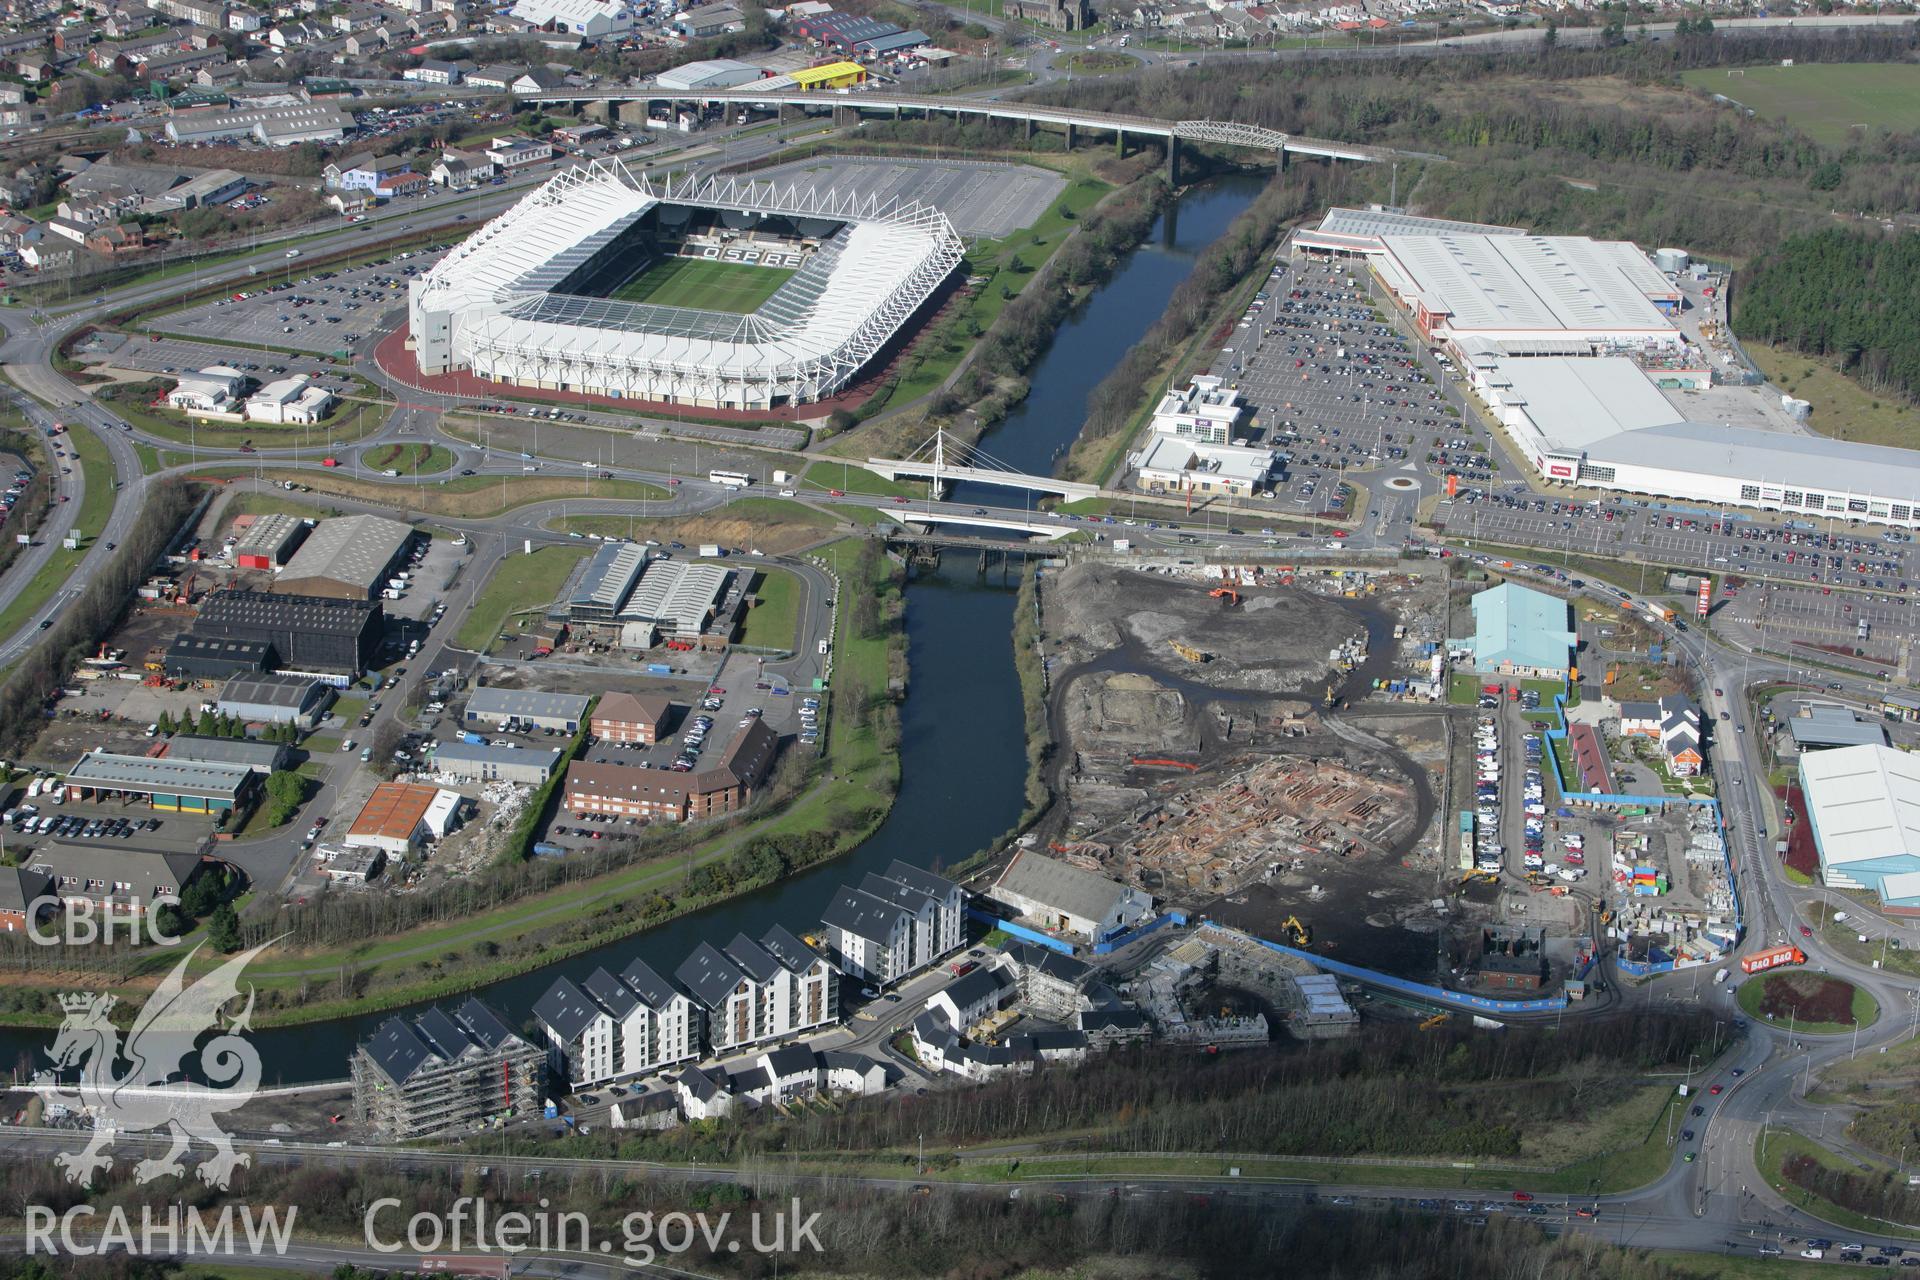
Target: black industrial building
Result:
[202, 657]
[308, 633]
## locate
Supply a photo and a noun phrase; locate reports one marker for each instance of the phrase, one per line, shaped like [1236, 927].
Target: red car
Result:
[1339, 533]
[717, 692]
[836, 493]
[1523, 1196]
[674, 480]
[1716, 1090]
[902, 501]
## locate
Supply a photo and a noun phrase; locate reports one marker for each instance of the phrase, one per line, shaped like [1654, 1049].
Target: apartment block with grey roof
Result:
[442, 1073]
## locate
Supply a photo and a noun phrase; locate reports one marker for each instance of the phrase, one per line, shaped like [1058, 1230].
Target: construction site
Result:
[1220, 748]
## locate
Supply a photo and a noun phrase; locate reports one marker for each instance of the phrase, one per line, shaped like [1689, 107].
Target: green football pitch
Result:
[1823, 100]
[710, 286]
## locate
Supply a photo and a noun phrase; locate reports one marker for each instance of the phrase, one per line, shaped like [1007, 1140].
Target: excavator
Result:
[1228, 594]
[1480, 877]
[1436, 1020]
[1190, 653]
[1297, 933]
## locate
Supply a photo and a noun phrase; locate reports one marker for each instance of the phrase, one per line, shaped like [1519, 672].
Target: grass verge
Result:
[473, 497]
[772, 621]
[96, 470]
[409, 459]
[1753, 992]
[521, 583]
[1775, 1147]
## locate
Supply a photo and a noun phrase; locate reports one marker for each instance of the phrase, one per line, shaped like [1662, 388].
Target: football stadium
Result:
[723, 293]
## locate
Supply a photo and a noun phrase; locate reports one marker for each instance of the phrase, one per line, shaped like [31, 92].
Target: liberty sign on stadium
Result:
[722, 293]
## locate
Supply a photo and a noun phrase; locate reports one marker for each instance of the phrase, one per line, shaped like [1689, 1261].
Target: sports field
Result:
[710, 286]
[1825, 101]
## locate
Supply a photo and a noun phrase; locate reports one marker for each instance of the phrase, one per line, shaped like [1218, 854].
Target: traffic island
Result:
[1814, 1003]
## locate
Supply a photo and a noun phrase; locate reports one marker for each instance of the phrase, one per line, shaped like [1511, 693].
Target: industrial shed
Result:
[198, 657]
[261, 757]
[561, 711]
[485, 762]
[177, 786]
[1061, 897]
[276, 699]
[308, 633]
[269, 541]
[347, 558]
[1864, 805]
[1518, 631]
[399, 816]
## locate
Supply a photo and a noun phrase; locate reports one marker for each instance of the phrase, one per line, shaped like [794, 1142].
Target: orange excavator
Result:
[1228, 594]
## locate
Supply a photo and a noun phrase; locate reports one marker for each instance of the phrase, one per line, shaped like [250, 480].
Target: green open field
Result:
[522, 583]
[770, 625]
[1826, 100]
[710, 286]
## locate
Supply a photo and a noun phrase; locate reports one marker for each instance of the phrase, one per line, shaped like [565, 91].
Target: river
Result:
[962, 749]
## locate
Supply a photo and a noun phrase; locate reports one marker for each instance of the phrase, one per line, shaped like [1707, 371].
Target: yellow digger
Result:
[1190, 653]
[1297, 933]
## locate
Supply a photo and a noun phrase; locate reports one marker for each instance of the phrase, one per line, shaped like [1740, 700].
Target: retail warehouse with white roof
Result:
[1864, 806]
[1574, 347]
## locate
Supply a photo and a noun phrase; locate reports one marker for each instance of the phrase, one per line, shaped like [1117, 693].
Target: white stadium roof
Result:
[493, 295]
[1544, 284]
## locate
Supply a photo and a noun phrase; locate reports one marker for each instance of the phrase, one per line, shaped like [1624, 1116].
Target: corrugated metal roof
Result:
[1517, 624]
[1865, 805]
[114, 772]
[355, 550]
[1548, 284]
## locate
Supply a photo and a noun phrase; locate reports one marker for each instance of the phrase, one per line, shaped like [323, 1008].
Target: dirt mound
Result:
[1274, 641]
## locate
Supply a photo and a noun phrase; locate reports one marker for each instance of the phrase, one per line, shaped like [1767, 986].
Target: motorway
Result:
[1700, 1205]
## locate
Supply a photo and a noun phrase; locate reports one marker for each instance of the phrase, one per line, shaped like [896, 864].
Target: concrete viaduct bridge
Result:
[847, 106]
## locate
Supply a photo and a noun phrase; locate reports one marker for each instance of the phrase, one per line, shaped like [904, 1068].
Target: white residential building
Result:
[869, 938]
[608, 1028]
[753, 992]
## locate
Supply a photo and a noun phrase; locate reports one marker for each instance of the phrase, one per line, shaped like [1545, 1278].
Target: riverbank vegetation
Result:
[1227, 265]
[1020, 289]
